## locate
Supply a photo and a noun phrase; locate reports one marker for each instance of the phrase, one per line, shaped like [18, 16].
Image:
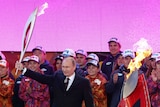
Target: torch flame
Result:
[143, 50]
[42, 8]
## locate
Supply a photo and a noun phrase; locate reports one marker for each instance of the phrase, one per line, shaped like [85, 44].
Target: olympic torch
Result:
[28, 29]
[135, 92]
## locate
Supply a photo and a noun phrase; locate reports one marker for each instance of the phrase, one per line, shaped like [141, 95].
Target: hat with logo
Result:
[128, 52]
[4, 63]
[68, 52]
[34, 58]
[93, 56]
[113, 39]
[93, 62]
[39, 48]
[157, 58]
[2, 56]
[26, 59]
[82, 52]
[155, 55]
[59, 57]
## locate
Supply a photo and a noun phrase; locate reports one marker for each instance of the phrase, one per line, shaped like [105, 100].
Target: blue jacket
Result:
[107, 65]
[115, 89]
[16, 101]
[47, 68]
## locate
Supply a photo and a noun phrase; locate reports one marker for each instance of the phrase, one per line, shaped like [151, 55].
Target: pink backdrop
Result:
[85, 24]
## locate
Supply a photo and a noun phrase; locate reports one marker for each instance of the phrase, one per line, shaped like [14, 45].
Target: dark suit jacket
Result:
[79, 91]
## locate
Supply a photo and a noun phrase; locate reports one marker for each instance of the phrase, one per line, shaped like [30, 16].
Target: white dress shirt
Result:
[71, 79]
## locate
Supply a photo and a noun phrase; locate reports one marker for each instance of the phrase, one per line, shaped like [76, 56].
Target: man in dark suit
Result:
[78, 88]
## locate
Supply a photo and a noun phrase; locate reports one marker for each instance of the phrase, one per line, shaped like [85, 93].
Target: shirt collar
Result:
[72, 77]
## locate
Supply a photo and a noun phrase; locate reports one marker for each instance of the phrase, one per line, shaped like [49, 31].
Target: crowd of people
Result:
[76, 79]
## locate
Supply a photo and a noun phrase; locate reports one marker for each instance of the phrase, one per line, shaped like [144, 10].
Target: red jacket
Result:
[6, 91]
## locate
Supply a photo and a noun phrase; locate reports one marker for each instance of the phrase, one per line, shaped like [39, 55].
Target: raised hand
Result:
[19, 65]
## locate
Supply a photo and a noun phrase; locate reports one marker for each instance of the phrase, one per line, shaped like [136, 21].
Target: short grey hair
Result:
[72, 59]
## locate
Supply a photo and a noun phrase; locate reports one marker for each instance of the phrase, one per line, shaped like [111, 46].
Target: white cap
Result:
[34, 58]
[93, 62]
[2, 55]
[39, 48]
[68, 52]
[4, 63]
[128, 52]
[113, 39]
[155, 55]
[82, 52]
[59, 57]
[93, 56]
[26, 59]
[158, 58]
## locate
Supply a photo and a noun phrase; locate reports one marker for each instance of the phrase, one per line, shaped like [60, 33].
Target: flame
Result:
[42, 8]
[143, 50]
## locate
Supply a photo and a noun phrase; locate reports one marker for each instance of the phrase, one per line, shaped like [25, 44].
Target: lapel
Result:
[61, 81]
[63, 85]
[75, 82]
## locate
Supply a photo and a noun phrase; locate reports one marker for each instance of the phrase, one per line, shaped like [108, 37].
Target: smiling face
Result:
[41, 55]
[58, 64]
[114, 48]
[92, 70]
[120, 60]
[68, 66]
[81, 59]
[126, 61]
[3, 71]
[153, 63]
[33, 65]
